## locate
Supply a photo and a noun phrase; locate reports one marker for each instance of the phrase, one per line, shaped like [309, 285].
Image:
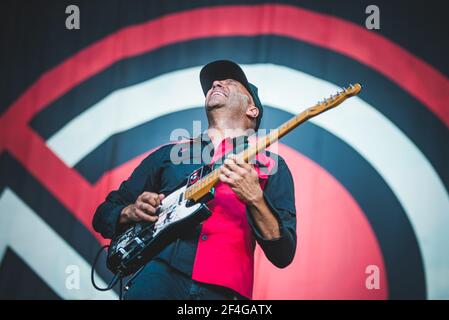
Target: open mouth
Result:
[218, 93]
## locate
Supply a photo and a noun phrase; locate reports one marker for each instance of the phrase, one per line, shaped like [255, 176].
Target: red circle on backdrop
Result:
[336, 243]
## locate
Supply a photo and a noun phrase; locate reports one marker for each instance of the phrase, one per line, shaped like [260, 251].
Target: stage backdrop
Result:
[80, 108]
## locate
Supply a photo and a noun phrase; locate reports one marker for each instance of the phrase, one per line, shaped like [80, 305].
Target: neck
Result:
[222, 127]
[217, 134]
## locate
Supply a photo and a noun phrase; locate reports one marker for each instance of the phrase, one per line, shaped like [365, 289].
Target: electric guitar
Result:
[187, 206]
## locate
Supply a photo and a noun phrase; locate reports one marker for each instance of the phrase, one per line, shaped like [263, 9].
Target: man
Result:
[252, 203]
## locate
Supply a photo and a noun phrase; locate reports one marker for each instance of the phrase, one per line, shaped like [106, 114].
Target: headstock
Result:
[335, 99]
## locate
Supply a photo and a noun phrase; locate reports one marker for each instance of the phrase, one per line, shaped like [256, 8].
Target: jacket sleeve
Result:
[144, 177]
[279, 195]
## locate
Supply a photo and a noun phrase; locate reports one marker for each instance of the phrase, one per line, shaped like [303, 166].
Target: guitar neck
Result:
[204, 185]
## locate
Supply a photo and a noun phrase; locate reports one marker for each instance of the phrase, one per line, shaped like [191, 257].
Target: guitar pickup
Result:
[199, 173]
[195, 177]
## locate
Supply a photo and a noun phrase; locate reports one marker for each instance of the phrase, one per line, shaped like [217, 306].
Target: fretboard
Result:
[204, 185]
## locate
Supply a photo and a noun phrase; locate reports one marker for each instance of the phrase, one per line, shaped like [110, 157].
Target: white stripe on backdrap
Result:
[44, 251]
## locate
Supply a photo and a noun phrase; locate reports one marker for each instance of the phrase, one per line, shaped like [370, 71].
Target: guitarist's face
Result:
[231, 98]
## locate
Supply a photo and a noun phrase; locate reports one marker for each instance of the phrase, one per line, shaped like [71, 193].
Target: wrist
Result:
[257, 201]
[124, 216]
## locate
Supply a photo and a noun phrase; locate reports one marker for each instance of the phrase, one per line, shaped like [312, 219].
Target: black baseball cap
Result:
[226, 69]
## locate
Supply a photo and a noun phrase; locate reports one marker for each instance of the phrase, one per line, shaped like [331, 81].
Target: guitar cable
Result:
[117, 277]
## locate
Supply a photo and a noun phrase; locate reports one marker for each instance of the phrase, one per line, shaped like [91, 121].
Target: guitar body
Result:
[141, 242]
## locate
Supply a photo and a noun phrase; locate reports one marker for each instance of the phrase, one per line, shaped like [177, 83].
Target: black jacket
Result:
[158, 174]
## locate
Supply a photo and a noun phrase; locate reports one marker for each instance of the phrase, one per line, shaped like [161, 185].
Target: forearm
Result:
[264, 219]
[274, 231]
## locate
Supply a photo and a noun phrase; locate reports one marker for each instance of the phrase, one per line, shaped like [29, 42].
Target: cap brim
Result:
[221, 70]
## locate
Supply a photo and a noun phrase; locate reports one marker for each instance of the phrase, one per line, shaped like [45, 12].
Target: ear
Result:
[252, 111]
